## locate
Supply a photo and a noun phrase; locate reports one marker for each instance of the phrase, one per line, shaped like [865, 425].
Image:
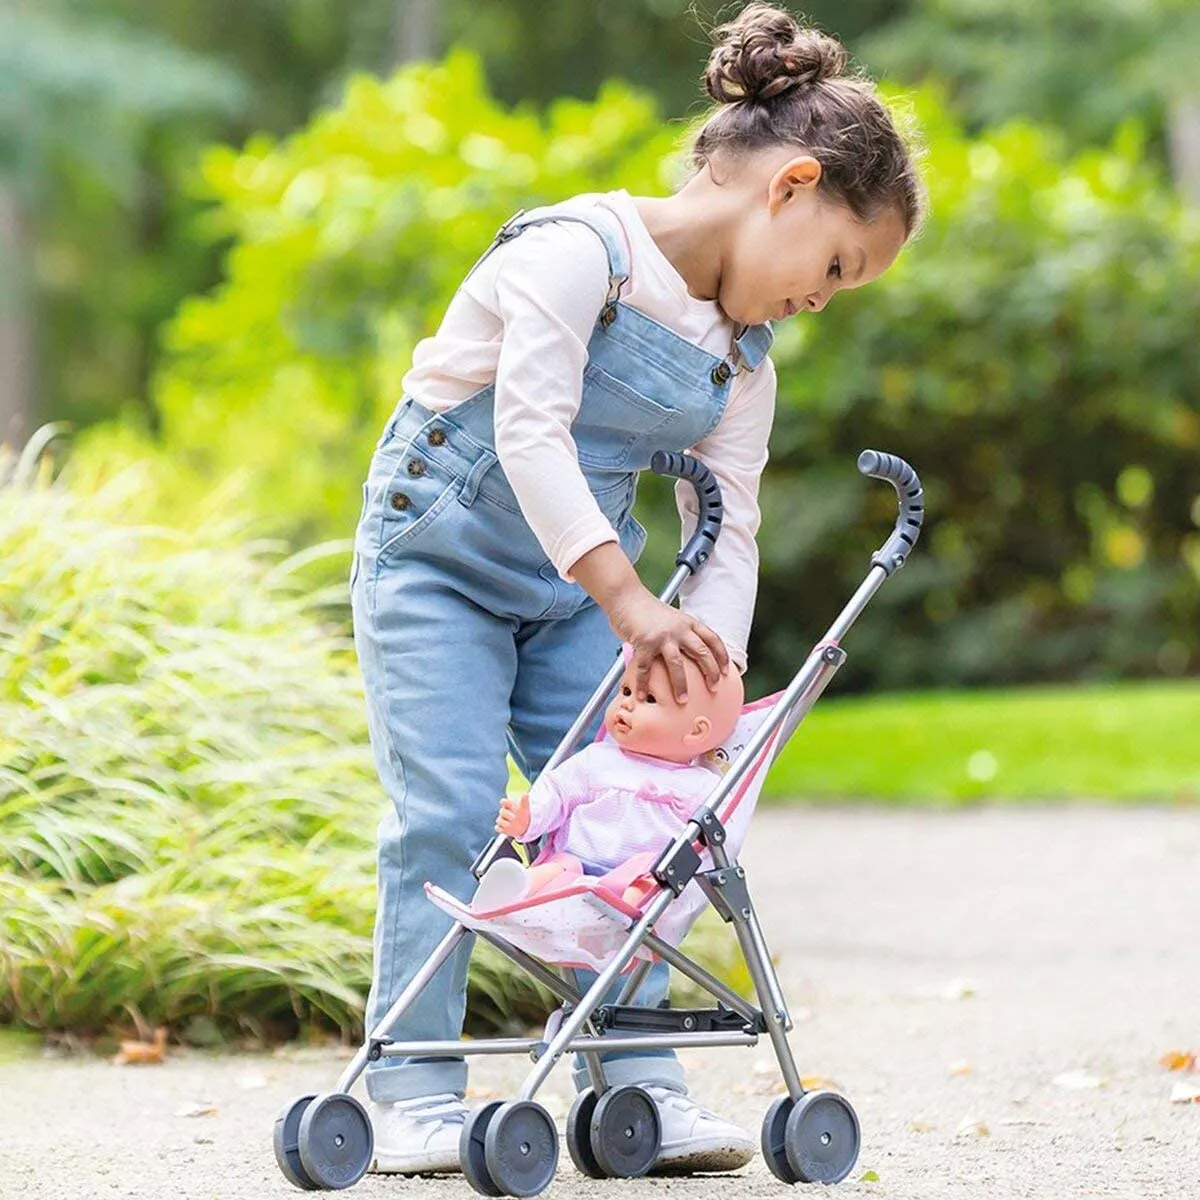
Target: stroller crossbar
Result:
[326, 1141]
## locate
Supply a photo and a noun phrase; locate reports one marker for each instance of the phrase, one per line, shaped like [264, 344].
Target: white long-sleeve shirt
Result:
[523, 319]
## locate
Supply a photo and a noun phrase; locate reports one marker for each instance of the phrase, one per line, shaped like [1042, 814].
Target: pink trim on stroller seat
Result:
[581, 921]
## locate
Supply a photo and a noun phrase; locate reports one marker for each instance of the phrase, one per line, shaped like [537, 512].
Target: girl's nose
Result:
[817, 301]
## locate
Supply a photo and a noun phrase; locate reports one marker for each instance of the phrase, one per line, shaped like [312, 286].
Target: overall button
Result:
[400, 501]
[437, 437]
[721, 373]
[416, 468]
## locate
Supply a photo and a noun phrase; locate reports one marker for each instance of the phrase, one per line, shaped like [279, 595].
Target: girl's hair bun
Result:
[764, 53]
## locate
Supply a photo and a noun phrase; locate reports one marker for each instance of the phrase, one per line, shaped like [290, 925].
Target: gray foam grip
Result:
[708, 496]
[892, 554]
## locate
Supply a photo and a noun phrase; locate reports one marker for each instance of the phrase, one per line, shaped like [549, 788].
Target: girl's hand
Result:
[656, 630]
[652, 628]
[513, 820]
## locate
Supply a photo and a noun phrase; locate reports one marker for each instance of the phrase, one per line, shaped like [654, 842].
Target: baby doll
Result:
[625, 796]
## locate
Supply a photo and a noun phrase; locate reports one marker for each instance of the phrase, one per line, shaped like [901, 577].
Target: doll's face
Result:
[661, 727]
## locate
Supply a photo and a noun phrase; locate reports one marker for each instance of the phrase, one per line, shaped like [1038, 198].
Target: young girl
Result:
[493, 578]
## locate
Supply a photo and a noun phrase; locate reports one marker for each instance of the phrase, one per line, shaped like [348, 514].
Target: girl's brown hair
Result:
[778, 82]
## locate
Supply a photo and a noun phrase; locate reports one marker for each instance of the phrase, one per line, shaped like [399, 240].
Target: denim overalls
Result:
[470, 643]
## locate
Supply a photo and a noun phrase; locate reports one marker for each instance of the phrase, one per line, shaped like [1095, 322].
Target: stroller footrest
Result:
[675, 1020]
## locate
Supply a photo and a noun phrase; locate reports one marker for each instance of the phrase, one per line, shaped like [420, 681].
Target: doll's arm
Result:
[557, 793]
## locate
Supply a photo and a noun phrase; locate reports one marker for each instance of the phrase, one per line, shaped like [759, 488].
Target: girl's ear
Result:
[800, 172]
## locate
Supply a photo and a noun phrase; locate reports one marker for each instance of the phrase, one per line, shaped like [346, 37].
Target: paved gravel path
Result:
[944, 969]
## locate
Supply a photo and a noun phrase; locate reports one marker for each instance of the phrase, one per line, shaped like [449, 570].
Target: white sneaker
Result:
[504, 882]
[695, 1140]
[415, 1137]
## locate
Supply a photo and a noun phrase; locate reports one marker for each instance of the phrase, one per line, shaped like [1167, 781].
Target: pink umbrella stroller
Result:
[510, 1148]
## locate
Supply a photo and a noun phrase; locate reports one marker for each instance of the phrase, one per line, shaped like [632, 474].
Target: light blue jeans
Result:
[469, 644]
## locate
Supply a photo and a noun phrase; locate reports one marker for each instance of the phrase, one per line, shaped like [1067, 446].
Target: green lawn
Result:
[1117, 742]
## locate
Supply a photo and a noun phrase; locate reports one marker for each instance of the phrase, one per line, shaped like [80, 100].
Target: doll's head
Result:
[662, 727]
[807, 158]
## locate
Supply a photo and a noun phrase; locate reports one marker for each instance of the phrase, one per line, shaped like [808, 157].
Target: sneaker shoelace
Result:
[425, 1110]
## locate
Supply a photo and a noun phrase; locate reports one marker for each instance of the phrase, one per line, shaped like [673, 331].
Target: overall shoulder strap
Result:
[753, 344]
[604, 227]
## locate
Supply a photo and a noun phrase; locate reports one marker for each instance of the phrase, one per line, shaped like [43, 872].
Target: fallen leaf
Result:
[920, 1125]
[962, 1067]
[1185, 1093]
[869, 1177]
[818, 1083]
[954, 989]
[202, 1108]
[1178, 1060]
[135, 1053]
[1078, 1080]
[972, 1127]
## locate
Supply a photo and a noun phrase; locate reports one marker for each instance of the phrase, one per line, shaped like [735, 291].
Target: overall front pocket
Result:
[613, 418]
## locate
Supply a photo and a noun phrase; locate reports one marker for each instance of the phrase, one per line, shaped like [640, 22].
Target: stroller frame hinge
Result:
[727, 892]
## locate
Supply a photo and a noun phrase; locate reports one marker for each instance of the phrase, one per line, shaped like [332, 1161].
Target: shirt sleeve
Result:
[556, 794]
[723, 592]
[550, 287]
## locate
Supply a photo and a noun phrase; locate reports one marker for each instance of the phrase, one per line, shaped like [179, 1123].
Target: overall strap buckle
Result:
[510, 228]
[608, 314]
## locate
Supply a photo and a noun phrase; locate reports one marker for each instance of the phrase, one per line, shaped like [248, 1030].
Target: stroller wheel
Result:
[626, 1132]
[471, 1150]
[821, 1138]
[520, 1148]
[579, 1135]
[287, 1145]
[335, 1141]
[774, 1140]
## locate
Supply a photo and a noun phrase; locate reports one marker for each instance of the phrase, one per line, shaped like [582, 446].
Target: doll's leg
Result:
[542, 874]
[437, 674]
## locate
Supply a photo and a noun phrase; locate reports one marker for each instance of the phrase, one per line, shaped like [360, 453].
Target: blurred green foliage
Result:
[1086, 66]
[1033, 354]
[349, 239]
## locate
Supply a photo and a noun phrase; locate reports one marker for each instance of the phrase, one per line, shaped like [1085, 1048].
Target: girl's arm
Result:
[723, 593]
[550, 286]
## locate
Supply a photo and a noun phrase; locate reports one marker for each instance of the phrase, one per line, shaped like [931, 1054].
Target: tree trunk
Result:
[16, 320]
[1183, 133]
[416, 30]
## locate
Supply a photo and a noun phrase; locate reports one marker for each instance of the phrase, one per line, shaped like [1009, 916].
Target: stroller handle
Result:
[878, 465]
[708, 497]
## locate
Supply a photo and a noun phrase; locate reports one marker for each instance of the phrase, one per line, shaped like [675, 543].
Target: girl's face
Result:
[798, 246]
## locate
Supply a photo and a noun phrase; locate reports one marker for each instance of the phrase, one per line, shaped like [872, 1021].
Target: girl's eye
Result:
[835, 268]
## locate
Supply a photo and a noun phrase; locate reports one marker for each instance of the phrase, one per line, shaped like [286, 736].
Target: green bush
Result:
[348, 240]
[187, 799]
[1033, 354]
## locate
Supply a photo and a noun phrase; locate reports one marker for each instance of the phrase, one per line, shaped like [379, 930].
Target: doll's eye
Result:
[625, 690]
[650, 698]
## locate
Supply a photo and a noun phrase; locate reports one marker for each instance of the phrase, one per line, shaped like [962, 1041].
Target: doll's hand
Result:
[513, 820]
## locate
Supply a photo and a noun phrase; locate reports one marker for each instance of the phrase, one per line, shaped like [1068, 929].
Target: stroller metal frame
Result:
[511, 1149]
